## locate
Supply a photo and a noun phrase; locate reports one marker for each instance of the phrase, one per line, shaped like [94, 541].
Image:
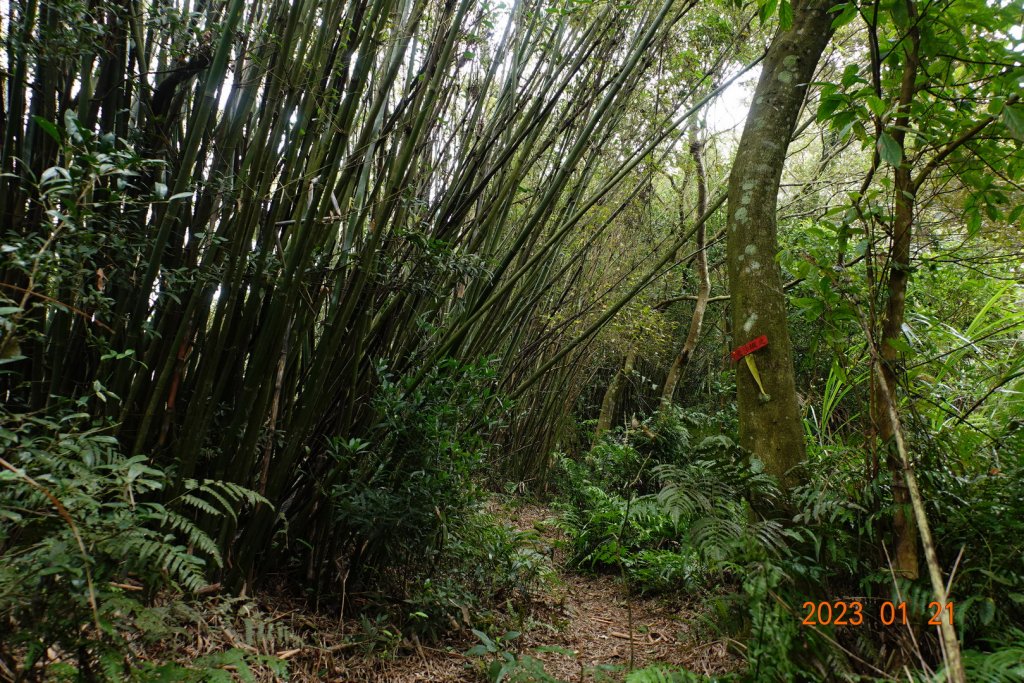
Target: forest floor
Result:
[585, 618]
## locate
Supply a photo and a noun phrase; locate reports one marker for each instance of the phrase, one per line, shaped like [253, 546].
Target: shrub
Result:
[410, 508]
[402, 488]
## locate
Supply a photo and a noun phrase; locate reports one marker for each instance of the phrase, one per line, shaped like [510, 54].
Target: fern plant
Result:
[220, 667]
[83, 537]
[662, 674]
[1005, 664]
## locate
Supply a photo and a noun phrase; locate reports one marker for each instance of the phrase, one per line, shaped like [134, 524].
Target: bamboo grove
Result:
[243, 215]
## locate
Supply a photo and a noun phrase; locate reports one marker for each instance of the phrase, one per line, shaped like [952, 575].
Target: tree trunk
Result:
[905, 533]
[704, 289]
[769, 427]
[611, 394]
[947, 632]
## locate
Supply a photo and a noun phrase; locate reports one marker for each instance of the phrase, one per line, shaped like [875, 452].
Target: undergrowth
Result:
[421, 553]
[85, 545]
[672, 507]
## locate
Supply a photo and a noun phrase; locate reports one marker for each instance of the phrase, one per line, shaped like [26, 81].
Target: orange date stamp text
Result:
[851, 613]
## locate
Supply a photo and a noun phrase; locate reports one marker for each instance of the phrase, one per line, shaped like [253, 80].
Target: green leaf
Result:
[900, 15]
[849, 11]
[117, 355]
[900, 345]
[485, 639]
[973, 221]
[889, 150]
[785, 15]
[71, 125]
[828, 105]
[814, 307]
[1013, 119]
[851, 75]
[47, 127]
[1015, 213]
[988, 611]
[837, 368]
[98, 390]
[876, 106]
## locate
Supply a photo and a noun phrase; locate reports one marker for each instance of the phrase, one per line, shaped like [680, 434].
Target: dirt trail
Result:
[586, 614]
[597, 613]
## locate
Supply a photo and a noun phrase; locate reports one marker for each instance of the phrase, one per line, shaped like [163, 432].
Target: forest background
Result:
[288, 290]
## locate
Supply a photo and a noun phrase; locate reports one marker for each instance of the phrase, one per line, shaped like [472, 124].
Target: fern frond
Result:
[1005, 665]
[195, 536]
[660, 674]
[241, 493]
[150, 551]
[226, 506]
[199, 504]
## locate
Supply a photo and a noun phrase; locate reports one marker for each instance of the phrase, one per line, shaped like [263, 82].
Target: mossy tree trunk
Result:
[770, 428]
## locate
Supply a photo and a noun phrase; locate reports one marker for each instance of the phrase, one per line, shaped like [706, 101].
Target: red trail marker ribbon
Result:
[744, 353]
[749, 347]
